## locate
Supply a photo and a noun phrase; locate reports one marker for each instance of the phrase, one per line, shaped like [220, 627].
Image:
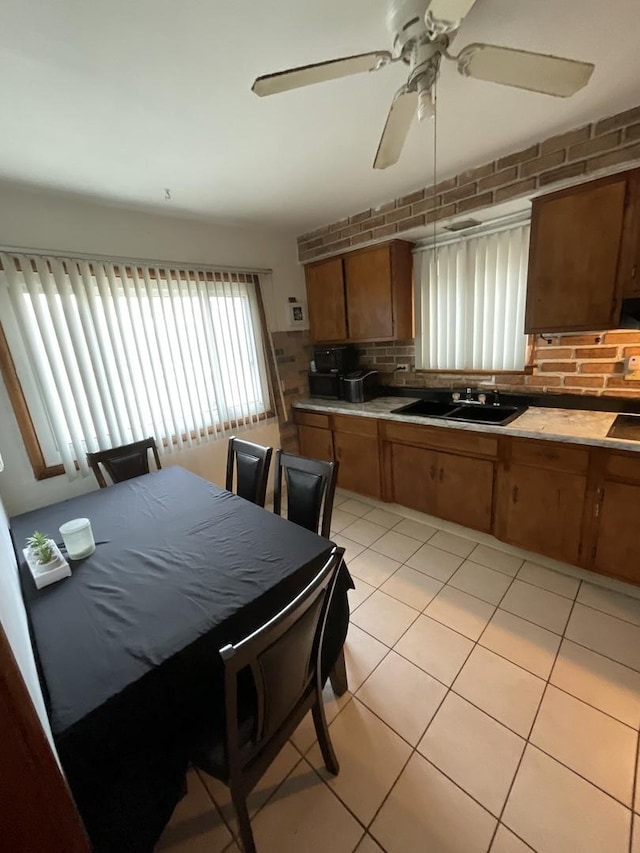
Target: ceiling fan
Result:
[421, 32]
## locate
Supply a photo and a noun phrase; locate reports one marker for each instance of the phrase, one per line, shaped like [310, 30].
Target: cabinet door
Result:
[359, 469]
[316, 443]
[573, 258]
[542, 510]
[413, 477]
[465, 490]
[630, 256]
[325, 300]
[369, 294]
[618, 544]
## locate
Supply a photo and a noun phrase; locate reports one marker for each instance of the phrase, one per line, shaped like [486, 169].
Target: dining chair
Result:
[283, 658]
[309, 483]
[124, 462]
[251, 462]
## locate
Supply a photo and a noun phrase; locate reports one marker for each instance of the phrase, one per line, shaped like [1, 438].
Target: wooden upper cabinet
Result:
[574, 257]
[629, 272]
[366, 295]
[325, 300]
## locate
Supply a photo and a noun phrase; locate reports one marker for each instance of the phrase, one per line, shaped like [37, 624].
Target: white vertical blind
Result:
[109, 353]
[470, 303]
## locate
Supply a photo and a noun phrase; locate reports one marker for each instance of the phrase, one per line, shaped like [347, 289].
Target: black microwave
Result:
[340, 359]
[325, 385]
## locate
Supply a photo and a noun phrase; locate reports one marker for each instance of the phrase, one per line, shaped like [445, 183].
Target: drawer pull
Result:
[515, 494]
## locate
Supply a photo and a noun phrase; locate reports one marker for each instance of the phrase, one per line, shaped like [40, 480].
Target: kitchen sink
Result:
[427, 408]
[486, 414]
[469, 413]
[626, 427]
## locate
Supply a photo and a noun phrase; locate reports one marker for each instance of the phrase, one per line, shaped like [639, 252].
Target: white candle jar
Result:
[78, 538]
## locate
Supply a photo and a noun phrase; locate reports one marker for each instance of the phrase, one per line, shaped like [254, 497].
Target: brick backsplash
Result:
[594, 147]
[293, 352]
[587, 363]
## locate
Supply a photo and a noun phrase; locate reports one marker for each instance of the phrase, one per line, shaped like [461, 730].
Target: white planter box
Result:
[54, 570]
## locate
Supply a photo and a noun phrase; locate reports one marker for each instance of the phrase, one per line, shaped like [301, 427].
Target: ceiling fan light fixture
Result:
[426, 105]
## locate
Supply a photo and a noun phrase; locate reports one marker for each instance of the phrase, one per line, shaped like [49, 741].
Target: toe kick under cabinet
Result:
[573, 502]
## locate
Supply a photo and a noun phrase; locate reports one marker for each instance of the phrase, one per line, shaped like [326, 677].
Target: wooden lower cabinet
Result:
[413, 472]
[315, 442]
[617, 549]
[464, 491]
[541, 510]
[359, 459]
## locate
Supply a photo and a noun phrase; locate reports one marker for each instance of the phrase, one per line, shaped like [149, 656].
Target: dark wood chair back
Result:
[125, 462]
[284, 659]
[310, 484]
[251, 463]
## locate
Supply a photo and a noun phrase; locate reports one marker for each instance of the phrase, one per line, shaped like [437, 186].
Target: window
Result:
[110, 353]
[470, 303]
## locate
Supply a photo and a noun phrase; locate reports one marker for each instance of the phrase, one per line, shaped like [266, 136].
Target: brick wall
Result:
[293, 353]
[587, 363]
[580, 152]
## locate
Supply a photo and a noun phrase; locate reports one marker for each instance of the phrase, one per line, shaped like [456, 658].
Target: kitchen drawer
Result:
[355, 425]
[441, 438]
[624, 466]
[546, 454]
[312, 419]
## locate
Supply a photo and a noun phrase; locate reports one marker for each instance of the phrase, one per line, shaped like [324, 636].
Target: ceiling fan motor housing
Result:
[406, 24]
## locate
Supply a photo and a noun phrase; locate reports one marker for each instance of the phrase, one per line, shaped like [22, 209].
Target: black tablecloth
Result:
[127, 646]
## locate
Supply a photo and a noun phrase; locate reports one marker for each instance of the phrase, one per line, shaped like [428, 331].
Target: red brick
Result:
[557, 353]
[584, 381]
[562, 174]
[629, 351]
[412, 222]
[632, 132]
[629, 393]
[514, 190]
[498, 179]
[440, 213]
[518, 157]
[339, 225]
[582, 340]
[601, 367]
[364, 237]
[614, 158]
[539, 381]
[477, 173]
[360, 217]
[594, 146]
[418, 195]
[596, 352]
[384, 231]
[443, 186]
[542, 164]
[618, 120]
[623, 337]
[384, 208]
[622, 383]
[484, 200]
[430, 203]
[459, 193]
[565, 140]
[558, 367]
[396, 215]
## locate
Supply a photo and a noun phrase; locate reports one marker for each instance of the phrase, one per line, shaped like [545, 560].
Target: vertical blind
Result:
[470, 302]
[109, 353]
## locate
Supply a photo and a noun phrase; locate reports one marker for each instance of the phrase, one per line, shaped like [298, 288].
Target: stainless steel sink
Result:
[467, 413]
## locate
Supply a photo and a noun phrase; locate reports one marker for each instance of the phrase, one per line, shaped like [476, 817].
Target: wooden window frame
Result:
[15, 392]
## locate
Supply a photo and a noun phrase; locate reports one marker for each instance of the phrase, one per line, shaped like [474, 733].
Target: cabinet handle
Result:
[634, 270]
[515, 493]
[599, 497]
[441, 477]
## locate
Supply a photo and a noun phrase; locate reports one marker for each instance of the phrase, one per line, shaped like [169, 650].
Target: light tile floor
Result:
[494, 705]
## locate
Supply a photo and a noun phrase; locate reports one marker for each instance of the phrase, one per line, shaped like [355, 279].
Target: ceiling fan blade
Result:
[442, 16]
[537, 72]
[306, 75]
[403, 108]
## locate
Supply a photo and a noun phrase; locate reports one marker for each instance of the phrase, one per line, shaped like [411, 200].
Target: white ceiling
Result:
[119, 99]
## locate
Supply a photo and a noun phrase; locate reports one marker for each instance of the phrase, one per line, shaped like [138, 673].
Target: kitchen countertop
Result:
[574, 426]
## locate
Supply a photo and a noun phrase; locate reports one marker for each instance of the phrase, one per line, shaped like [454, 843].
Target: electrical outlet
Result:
[402, 368]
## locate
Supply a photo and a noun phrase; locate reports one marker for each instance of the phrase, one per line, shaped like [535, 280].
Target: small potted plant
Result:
[44, 559]
[41, 546]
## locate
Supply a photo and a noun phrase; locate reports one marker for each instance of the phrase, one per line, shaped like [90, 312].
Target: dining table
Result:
[127, 647]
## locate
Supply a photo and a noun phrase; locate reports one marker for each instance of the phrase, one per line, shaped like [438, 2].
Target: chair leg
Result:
[244, 824]
[322, 733]
[338, 675]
